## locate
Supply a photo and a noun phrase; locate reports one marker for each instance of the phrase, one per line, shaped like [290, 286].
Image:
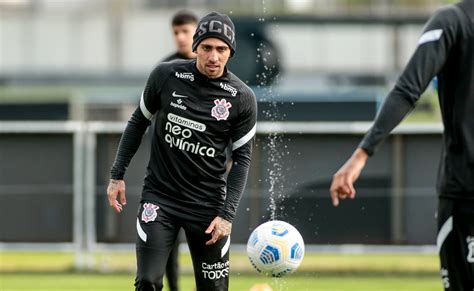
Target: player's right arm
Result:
[434, 46]
[132, 137]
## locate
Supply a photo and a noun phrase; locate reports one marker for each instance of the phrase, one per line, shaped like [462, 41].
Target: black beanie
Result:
[216, 25]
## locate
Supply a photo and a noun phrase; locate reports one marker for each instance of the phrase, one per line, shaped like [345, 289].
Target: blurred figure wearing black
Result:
[184, 25]
[445, 50]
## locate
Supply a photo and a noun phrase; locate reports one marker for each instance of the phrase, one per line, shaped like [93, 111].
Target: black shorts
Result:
[455, 243]
[157, 230]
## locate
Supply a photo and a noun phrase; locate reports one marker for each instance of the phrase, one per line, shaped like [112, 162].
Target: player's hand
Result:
[342, 186]
[116, 189]
[219, 228]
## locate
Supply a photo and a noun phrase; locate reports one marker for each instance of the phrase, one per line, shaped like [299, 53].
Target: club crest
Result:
[221, 109]
[149, 212]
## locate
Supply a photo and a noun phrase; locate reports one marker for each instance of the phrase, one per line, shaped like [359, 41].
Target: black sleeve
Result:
[433, 49]
[236, 180]
[243, 137]
[138, 123]
[129, 143]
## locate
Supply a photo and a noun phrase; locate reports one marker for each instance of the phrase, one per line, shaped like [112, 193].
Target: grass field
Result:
[374, 264]
[310, 282]
[114, 271]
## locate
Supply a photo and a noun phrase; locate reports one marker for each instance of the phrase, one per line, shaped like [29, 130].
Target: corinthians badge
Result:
[221, 109]
[149, 212]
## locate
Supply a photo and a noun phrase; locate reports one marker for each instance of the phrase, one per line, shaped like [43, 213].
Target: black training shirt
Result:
[196, 118]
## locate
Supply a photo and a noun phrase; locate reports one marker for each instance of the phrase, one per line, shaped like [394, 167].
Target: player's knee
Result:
[146, 284]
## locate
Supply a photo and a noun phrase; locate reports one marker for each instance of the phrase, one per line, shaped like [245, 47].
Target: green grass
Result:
[382, 264]
[114, 271]
[310, 282]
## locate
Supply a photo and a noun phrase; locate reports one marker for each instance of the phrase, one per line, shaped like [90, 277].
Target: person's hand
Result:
[219, 228]
[116, 188]
[342, 186]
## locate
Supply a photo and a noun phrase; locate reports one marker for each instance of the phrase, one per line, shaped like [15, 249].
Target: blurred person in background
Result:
[183, 25]
[445, 50]
[200, 107]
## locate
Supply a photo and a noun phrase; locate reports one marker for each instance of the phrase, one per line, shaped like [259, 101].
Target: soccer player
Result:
[446, 50]
[183, 25]
[200, 106]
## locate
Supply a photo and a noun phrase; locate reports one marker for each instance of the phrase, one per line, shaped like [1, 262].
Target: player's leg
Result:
[156, 235]
[210, 263]
[451, 247]
[172, 267]
[464, 229]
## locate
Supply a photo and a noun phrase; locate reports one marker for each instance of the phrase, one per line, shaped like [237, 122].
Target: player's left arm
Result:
[243, 137]
[132, 137]
[429, 58]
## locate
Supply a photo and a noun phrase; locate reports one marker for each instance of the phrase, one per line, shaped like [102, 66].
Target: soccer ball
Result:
[275, 248]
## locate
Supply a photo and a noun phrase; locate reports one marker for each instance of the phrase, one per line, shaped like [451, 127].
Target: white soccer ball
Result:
[275, 248]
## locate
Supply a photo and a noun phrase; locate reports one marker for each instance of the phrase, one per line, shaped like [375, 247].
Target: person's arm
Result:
[434, 45]
[129, 143]
[430, 56]
[131, 139]
[243, 137]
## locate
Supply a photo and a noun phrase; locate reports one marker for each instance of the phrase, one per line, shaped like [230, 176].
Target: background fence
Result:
[54, 177]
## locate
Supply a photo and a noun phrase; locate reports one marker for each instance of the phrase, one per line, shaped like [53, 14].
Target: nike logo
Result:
[178, 96]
